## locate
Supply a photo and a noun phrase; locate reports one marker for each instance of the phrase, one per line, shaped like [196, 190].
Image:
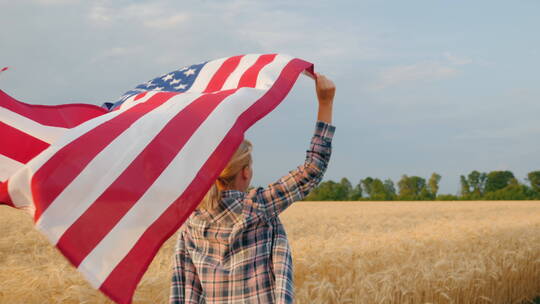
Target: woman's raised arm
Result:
[294, 186]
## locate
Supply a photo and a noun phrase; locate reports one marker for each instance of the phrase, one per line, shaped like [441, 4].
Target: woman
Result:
[233, 248]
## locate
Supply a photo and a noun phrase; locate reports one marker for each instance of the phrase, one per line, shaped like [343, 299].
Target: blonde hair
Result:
[240, 159]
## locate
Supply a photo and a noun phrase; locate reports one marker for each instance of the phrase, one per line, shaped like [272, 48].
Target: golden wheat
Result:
[343, 252]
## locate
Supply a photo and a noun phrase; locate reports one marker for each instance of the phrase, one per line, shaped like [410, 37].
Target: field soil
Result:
[343, 252]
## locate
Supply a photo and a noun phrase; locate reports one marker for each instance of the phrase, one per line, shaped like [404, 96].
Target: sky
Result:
[422, 86]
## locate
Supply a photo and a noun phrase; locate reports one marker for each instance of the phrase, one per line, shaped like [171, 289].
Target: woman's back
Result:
[237, 250]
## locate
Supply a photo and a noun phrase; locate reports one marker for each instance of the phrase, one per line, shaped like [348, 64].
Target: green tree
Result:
[513, 191]
[496, 185]
[410, 187]
[477, 183]
[433, 183]
[447, 197]
[343, 190]
[497, 180]
[534, 178]
[366, 185]
[331, 191]
[425, 195]
[465, 187]
[323, 192]
[378, 190]
[356, 192]
[390, 189]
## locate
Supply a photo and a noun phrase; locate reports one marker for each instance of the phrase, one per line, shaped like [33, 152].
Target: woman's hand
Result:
[326, 89]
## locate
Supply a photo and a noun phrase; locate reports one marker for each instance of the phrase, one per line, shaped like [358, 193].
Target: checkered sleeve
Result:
[294, 186]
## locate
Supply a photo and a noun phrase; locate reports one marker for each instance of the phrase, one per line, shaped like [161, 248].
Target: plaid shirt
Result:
[239, 253]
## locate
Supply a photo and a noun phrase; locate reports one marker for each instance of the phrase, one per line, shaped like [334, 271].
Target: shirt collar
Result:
[231, 193]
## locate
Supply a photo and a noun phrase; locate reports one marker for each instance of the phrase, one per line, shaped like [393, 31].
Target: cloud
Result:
[167, 22]
[423, 71]
[237, 26]
[518, 130]
[100, 14]
[446, 67]
[54, 2]
[116, 52]
[455, 60]
[150, 15]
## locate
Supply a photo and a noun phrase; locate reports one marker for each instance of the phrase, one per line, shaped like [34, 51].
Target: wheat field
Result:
[343, 252]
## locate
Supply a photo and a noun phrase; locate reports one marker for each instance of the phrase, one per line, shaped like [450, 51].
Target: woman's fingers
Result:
[325, 89]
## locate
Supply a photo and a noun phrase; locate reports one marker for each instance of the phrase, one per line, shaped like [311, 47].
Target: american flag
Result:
[107, 188]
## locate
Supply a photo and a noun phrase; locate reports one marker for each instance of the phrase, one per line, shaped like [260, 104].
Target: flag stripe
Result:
[19, 146]
[4, 194]
[64, 116]
[168, 186]
[205, 75]
[226, 69]
[246, 62]
[20, 189]
[8, 166]
[104, 168]
[80, 153]
[122, 281]
[45, 133]
[249, 79]
[54, 226]
[135, 99]
[139, 96]
[127, 189]
[271, 72]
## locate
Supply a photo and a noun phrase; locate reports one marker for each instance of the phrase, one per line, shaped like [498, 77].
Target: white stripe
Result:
[105, 168]
[8, 166]
[245, 63]
[270, 73]
[168, 187]
[19, 186]
[45, 133]
[206, 74]
[130, 102]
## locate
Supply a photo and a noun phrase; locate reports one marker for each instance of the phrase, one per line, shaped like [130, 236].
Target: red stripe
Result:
[64, 116]
[69, 161]
[219, 78]
[4, 69]
[78, 241]
[249, 79]
[140, 95]
[121, 283]
[4, 194]
[18, 145]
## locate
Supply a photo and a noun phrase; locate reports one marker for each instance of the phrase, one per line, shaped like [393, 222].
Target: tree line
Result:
[495, 185]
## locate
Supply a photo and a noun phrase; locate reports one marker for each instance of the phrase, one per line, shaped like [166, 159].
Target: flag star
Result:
[189, 72]
[180, 86]
[175, 81]
[167, 77]
[149, 84]
[158, 88]
[183, 69]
